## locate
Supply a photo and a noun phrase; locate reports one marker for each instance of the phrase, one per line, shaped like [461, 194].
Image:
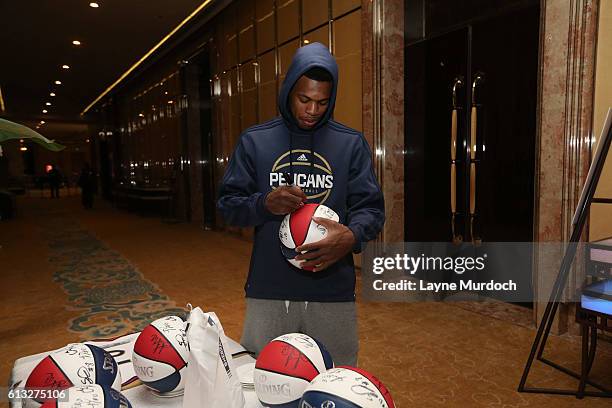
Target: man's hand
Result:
[338, 242]
[285, 199]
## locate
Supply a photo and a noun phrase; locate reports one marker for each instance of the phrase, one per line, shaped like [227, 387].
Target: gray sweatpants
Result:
[332, 323]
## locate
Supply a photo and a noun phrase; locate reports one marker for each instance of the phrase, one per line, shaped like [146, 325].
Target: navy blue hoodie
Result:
[339, 175]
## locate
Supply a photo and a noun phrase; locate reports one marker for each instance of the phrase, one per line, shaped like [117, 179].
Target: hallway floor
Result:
[70, 275]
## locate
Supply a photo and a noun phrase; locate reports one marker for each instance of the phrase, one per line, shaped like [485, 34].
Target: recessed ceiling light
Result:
[48, 103]
[65, 66]
[52, 94]
[58, 82]
[42, 122]
[44, 111]
[94, 5]
[76, 42]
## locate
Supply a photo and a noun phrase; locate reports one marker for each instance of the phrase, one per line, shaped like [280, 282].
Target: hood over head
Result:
[305, 58]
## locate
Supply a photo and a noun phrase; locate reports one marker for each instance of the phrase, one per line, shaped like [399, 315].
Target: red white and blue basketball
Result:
[285, 367]
[74, 365]
[298, 228]
[160, 355]
[346, 387]
[90, 396]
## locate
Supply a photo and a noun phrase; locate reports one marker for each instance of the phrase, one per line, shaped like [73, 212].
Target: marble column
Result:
[566, 86]
[383, 104]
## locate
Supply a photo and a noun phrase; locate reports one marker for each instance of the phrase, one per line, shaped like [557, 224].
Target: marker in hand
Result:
[285, 199]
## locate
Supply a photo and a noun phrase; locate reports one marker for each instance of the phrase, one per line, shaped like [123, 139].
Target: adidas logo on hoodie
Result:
[302, 158]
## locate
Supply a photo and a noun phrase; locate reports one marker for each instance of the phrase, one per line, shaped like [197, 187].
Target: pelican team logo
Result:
[316, 186]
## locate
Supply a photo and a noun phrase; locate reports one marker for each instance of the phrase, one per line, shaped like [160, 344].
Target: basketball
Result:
[286, 366]
[90, 396]
[298, 228]
[74, 365]
[346, 387]
[160, 355]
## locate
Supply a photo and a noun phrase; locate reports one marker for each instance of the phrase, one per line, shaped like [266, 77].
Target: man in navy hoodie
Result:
[303, 156]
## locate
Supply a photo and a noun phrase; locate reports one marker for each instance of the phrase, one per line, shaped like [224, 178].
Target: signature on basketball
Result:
[158, 343]
[294, 357]
[304, 340]
[79, 350]
[51, 382]
[364, 390]
[92, 400]
[168, 327]
[181, 338]
[330, 377]
[85, 389]
[84, 373]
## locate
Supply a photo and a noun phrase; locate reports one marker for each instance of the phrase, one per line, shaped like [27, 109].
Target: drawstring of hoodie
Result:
[312, 154]
[288, 302]
[289, 176]
[290, 180]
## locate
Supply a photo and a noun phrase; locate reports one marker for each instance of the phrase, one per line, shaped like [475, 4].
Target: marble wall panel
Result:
[567, 57]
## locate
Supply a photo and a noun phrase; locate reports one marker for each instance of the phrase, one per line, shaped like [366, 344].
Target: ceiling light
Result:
[58, 82]
[23, 149]
[44, 111]
[76, 42]
[65, 66]
[48, 103]
[306, 41]
[42, 122]
[52, 94]
[94, 5]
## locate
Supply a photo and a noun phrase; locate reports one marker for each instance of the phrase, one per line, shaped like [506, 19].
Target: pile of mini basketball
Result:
[295, 370]
[91, 376]
[88, 373]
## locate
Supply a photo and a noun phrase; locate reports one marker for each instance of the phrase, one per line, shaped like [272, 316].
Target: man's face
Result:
[309, 101]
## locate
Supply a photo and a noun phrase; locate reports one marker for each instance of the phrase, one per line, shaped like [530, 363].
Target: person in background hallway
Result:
[55, 179]
[87, 184]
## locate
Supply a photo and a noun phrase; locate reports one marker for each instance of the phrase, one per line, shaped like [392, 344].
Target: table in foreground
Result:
[138, 394]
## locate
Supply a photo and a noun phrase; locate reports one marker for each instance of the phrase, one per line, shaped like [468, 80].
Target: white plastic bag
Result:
[211, 380]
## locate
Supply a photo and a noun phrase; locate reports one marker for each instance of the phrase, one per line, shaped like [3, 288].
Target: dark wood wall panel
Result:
[249, 46]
